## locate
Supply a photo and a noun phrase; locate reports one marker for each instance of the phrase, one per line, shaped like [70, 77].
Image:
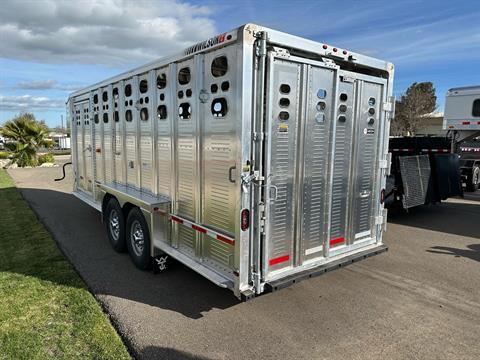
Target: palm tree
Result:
[28, 136]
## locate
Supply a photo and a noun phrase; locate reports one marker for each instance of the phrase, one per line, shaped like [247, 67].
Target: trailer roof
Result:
[230, 37]
[464, 89]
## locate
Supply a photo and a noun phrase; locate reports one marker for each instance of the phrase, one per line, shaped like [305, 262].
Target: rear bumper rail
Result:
[275, 285]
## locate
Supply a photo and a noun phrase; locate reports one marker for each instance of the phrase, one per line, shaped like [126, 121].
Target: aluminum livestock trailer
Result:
[256, 158]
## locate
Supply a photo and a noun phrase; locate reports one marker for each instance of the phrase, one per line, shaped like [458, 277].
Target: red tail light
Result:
[382, 196]
[245, 219]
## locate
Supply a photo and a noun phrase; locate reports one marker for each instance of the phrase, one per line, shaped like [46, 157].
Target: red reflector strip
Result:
[203, 230]
[176, 219]
[337, 241]
[278, 260]
[198, 228]
[466, 123]
[225, 239]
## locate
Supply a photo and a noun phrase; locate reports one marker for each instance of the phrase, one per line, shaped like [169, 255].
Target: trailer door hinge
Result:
[258, 136]
[261, 222]
[347, 79]
[386, 164]
[389, 105]
[329, 62]
[281, 53]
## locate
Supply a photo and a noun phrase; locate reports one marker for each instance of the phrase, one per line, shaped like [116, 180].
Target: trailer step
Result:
[275, 285]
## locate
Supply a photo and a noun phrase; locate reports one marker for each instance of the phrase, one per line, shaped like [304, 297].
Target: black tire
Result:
[476, 178]
[138, 239]
[474, 182]
[116, 233]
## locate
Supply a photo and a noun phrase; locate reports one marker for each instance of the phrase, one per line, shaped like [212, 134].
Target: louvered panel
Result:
[186, 177]
[282, 136]
[186, 239]
[218, 190]
[366, 168]
[131, 153]
[107, 153]
[98, 155]
[316, 155]
[118, 158]
[164, 163]
[342, 161]
[146, 162]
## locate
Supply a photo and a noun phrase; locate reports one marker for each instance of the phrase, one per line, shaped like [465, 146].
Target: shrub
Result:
[4, 154]
[45, 158]
[29, 135]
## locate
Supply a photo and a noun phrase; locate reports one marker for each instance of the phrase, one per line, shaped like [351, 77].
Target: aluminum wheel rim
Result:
[114, 223]
[137, 238]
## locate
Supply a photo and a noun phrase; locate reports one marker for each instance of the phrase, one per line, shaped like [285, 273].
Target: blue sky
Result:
[51, 47]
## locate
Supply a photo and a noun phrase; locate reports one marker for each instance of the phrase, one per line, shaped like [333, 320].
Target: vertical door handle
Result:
[230, 171]
[365, 194]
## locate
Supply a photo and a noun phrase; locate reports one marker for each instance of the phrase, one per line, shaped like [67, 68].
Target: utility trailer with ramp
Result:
[256, 158]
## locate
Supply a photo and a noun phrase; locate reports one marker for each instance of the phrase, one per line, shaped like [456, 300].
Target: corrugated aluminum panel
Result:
[131, 134]
[369, 102]
[164, 117]
[342, 159]
[97, 150]
[186, 150]
[320, 105]
[284, 85]
[131, 149]
[220, 144]
[108, 154]
[146, 153]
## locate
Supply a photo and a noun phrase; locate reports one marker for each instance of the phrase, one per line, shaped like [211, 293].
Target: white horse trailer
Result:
[462, 113]
[256, 158]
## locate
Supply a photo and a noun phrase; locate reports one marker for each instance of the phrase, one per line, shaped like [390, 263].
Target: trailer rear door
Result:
[83, 144]
[323, 137]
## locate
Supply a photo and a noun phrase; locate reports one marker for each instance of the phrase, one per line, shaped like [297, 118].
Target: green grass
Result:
[46, 310]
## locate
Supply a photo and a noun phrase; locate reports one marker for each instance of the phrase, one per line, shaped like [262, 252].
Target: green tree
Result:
[418, 100]
[26, 136]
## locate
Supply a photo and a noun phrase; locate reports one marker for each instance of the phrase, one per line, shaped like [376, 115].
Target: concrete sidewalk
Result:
[419, 300]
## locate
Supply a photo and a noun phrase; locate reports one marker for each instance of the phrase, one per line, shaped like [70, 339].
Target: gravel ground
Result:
[420, 300]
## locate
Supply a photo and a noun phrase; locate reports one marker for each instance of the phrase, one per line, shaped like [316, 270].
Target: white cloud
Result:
[36, 85]
[24, 103]
[46, 85]
[109, 32]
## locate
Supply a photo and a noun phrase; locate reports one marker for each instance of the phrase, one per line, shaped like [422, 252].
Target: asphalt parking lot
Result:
[420, 300]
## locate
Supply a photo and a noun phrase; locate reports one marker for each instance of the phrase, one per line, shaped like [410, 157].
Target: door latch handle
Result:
[230, 171]
[273, 192]
[365, 194]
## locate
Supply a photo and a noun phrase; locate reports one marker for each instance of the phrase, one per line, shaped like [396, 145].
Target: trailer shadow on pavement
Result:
[81, 236]
[455, 217]
[472, 251]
